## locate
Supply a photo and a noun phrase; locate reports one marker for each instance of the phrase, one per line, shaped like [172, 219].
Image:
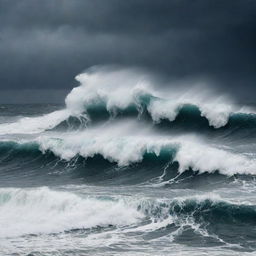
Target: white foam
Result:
[214, 110]
[41, 210]
[116, 88]
[30, 125]
[209, 159]
[115, 143]
[120, 88]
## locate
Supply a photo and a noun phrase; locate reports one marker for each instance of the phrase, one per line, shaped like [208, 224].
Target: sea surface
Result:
[126, 168]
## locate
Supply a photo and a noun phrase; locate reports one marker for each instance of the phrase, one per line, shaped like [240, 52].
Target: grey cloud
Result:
[134, 15]
[44, 44]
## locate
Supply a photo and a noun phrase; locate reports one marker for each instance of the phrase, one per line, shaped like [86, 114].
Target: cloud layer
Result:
[44, 44]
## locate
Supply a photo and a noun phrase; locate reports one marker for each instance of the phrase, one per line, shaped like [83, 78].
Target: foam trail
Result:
[30, 125]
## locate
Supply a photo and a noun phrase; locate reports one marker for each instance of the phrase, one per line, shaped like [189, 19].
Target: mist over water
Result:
[128, 167]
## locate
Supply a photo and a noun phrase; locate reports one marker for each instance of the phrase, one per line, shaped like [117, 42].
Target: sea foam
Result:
[41, 211]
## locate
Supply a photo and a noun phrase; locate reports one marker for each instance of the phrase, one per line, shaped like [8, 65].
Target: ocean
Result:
[125, 167]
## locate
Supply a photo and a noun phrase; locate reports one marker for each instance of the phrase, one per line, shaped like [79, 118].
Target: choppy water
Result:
[127, 169]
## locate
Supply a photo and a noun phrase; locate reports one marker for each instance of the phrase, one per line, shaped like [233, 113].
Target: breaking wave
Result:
[45, 211]
[127, 150]
[131, 161]
[128, 91]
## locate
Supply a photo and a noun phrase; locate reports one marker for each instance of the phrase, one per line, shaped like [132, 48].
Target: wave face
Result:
[129, 164]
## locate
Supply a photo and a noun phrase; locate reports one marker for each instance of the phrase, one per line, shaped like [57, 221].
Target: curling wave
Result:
[126, 91]
[128, 165]
[119, 90]
[125, 150]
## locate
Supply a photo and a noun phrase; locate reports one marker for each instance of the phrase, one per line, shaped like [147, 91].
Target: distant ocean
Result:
[128, 168]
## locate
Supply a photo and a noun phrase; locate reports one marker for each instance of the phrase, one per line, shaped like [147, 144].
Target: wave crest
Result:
[188, 151]
[119, 90]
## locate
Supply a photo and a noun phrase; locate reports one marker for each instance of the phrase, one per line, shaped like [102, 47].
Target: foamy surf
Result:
[44, 211]
[128, 166]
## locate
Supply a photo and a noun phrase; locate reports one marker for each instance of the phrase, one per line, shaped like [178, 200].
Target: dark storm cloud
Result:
[44, 44]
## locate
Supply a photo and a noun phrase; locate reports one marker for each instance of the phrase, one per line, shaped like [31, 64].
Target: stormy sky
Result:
[44, 44]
